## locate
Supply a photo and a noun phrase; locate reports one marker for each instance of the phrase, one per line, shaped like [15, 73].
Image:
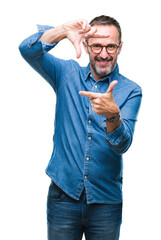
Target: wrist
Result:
[53, 35]
[115, 118]
[111, 115]
[114, 112]
[61, 32]
[65, 29]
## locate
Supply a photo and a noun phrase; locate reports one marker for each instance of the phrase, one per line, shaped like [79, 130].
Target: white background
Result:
[27, 115]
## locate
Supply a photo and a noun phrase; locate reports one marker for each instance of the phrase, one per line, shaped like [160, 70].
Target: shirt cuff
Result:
[45, 46]
[43, 28]
[115, 137]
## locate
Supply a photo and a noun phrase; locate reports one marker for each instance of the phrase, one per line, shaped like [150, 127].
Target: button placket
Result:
[88, 151]
[88, 148]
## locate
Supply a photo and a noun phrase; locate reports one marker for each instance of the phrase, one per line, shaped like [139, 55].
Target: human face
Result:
[103, 63]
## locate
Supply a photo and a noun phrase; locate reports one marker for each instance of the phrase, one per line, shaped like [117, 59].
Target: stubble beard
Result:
[102, 72]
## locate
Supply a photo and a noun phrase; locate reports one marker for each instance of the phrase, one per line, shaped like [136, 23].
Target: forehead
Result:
[110, 30]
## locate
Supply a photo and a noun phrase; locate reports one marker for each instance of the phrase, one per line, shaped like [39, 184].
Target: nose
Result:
[104, 54]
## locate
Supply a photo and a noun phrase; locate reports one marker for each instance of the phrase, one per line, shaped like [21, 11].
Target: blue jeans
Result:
[68, 219]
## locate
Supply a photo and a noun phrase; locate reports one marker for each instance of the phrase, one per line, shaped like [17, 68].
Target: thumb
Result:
[78, 49]
[111, 86]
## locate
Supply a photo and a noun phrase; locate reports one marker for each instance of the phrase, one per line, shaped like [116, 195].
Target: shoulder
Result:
[128, 84]
[72, 65]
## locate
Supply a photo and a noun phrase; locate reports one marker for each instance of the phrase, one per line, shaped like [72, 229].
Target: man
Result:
[96, 111]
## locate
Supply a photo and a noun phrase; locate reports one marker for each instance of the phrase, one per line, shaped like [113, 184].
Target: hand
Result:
[76, 31]
[103, 103]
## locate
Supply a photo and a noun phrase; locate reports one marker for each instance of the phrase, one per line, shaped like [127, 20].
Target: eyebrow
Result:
[103, 44]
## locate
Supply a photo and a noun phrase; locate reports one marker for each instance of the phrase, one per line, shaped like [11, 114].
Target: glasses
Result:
[97, 48]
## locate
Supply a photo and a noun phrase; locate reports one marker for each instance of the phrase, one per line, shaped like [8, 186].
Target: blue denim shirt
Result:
[84, 154]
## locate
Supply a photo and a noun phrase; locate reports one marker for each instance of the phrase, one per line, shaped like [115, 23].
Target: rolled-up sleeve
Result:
[35, 52]
[121, 139]
[26, 45]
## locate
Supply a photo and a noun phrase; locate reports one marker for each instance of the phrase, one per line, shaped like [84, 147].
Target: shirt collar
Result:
[111, 77]
[87, 72]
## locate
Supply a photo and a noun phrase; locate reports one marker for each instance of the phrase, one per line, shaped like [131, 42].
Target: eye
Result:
[111, 46]
[96, 46]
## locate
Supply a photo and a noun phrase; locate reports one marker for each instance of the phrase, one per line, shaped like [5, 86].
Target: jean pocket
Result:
[55, 193]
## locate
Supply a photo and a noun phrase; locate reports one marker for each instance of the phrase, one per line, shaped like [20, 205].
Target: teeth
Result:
[105, 60]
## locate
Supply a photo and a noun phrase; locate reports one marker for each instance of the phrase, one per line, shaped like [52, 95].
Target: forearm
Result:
[113, 119]
[119, 132]
[31, 48]
[54, 35]
[110, 127]
[121, 138]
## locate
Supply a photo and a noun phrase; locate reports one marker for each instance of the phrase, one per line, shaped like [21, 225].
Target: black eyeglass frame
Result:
[102, 46]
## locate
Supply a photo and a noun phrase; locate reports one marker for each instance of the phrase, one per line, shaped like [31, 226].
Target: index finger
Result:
[89, 94]
[94, 34]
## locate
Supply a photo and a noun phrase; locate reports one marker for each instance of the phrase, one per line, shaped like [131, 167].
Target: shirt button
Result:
[95, 86]
[87, 158]
[89, 138]
[89, 121]
[85, 177]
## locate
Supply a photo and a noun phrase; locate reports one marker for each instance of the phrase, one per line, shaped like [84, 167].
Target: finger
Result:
[93, 109]
[84, 31]
[80, 22]
[84, 25]
[90, 33]
[94, 34]
[78, 49]
[98, 35]
[111, 86]
[89, 94]
[96, 109]
[95, 101]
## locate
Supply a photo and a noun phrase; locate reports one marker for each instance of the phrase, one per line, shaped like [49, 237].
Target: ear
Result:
[85, 46]
[120, 48]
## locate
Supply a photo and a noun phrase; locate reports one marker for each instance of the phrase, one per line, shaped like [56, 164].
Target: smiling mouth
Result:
[103, 63]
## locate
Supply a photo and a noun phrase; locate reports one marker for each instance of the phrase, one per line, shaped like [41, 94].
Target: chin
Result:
[104, 73]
